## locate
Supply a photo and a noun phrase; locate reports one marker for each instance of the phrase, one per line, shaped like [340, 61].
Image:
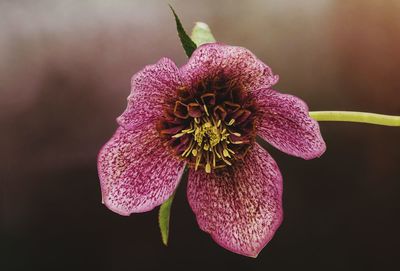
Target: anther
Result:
[214, 160]
[231, 122]
[208, 168]
[198, 158]
[225, 152]
[178, 135]
[208, 165]
[237, 142]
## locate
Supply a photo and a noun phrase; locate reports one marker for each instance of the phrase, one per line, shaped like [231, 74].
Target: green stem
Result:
[351, 116]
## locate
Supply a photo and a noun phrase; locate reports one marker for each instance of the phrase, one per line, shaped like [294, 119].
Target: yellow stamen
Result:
[231, 122]
[214, 162]
[208, 168]
[211, 139]
[225, 152]
[205, 109]
[207, 125]
[226, 161]
[178, 135]
[188, 131]
[198, 159]
[198, 135]
[237, 142]
[218, 155]
[189, 149]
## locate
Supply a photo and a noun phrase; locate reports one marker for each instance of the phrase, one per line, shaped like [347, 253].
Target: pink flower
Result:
[207, 115]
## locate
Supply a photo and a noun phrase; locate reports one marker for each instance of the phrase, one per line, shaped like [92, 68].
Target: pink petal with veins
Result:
[137, 173]
[240, 206]
[284, 122]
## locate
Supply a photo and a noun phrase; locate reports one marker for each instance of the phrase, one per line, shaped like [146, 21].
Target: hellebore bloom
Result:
[206, 115]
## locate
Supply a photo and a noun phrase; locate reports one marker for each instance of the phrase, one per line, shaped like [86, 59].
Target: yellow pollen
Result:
[210, 142]
[209, 132]
[198, 135]
[207, 125]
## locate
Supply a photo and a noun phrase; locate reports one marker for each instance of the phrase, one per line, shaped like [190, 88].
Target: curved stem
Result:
[351, 116]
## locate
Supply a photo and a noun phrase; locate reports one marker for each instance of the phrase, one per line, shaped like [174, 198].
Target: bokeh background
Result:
[65, 69]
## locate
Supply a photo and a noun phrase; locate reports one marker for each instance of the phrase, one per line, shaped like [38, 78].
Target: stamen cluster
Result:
[211, 125]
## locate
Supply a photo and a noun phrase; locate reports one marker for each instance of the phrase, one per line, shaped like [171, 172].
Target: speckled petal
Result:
[136, 172]
[241, 207]
[150, 88]
[284, 122]
[235, 62]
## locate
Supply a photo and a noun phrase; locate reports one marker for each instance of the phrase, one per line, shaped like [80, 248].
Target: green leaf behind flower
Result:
[188, 45]
[165, 210]
[163, 219]
[201, 34]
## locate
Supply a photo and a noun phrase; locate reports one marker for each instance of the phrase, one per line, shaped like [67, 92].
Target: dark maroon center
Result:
[210, 125]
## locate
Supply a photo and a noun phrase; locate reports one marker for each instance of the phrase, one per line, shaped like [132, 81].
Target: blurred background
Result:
[65, 69]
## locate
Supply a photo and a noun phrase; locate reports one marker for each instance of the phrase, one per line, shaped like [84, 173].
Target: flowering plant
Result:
[208, 117]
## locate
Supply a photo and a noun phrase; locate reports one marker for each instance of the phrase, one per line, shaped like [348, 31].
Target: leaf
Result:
[188, 45]
[163, 219]
[165, 210]
[201, 34]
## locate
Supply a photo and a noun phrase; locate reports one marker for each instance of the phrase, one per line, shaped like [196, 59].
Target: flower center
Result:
[209, 125]
[209, 132]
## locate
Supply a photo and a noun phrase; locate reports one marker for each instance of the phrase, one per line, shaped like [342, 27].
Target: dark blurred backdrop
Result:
[65, 69]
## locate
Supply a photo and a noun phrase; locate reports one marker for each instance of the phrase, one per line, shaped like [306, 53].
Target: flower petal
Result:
[284, 122]
[137, 173]
[235, 62]
[150, 88]
[241, 206]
